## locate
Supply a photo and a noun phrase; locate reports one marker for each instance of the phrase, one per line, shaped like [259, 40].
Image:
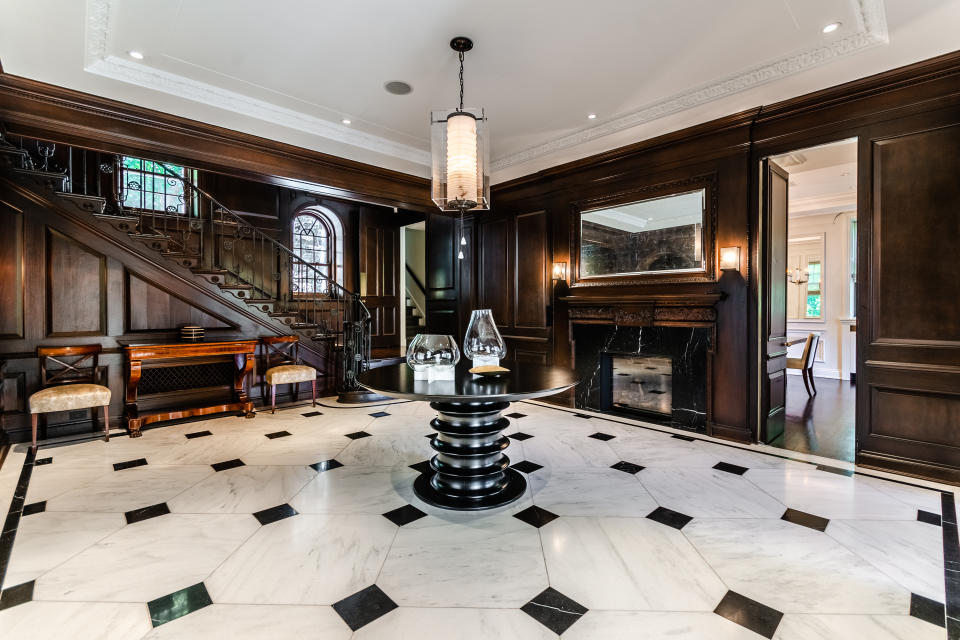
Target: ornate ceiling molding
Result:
[871, 31]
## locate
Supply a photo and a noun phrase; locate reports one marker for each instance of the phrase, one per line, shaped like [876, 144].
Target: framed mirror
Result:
[660, 234]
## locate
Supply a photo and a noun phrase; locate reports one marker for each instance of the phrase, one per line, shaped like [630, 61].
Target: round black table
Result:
[470, 470]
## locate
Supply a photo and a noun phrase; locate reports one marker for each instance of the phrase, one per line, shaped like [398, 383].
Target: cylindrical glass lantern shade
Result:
[433, 356]
[460, 160]
[483, 343]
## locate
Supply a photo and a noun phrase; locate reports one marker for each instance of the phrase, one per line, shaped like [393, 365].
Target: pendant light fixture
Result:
[460, 154]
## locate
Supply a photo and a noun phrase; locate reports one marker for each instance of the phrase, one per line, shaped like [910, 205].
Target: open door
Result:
[773, 313]
[380, 276]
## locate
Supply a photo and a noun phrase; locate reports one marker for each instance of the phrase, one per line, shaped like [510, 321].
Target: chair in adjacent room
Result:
[282, 365]
[805, 362]
[69, 377]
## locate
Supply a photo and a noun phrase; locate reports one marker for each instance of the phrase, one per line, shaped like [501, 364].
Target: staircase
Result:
[214, 243]
[415, 322]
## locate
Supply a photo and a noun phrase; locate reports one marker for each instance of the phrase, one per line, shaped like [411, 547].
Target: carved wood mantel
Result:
[693, 310]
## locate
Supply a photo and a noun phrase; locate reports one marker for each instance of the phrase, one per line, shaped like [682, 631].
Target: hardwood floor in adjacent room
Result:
[823, 424]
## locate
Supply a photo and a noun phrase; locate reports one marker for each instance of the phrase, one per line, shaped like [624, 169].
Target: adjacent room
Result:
[446, 320]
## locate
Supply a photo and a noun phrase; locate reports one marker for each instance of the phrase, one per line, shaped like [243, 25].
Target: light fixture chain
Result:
[461, 80]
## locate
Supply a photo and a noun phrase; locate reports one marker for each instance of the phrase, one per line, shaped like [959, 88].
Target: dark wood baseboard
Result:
[912, 468]
[729, 432]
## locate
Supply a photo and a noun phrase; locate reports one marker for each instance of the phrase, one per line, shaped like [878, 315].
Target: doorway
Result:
[810, 258]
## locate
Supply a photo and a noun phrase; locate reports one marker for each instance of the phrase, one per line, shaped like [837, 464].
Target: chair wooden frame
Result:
[278, 351]
[69, 373]
[806, 362]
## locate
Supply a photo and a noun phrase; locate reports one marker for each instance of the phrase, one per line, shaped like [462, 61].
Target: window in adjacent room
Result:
[144, 184]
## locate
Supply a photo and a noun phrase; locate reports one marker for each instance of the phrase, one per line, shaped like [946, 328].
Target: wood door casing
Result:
[380, 261]
[773, 366]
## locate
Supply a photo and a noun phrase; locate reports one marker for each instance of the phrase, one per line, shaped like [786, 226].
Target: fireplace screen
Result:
[643, 383]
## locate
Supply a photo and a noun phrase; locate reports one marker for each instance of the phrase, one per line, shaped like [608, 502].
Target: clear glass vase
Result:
[433, 356]
[483, 343]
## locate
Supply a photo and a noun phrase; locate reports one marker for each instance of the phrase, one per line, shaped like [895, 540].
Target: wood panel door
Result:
[908, 307]
[773, 355]
[380, 277]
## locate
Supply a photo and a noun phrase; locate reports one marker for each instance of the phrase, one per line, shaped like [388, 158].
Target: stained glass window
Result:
[312, 243]
[145, 185]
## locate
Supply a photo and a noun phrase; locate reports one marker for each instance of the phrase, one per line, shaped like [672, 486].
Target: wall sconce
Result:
[730, 259]
[560, 271]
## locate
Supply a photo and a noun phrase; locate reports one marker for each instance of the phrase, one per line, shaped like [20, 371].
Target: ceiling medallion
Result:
[460, 181]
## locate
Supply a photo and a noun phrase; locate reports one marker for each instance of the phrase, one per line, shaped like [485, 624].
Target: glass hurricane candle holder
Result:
[433, 356]
[483, 343]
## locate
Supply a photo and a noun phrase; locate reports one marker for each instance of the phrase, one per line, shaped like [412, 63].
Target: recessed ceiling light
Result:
[398, 88]
[830, 28]
[345, 121]
[592, 116]
[136, 55]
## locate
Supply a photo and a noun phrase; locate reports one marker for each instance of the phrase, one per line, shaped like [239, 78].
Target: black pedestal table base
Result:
[470, 470]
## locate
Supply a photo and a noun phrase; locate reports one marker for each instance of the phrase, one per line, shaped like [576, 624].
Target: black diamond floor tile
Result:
[753, 615]
[364, 607]
[145, 513]
[310, 414]
[429, 435]
[839, 472]
[19, 594]
[805, 519]
[42, 461]
[669, 517]
[379, 414]
[928, 610]
[422, 467]
[227, 464]
[325, 465]
[356, 435]
[627, 467]
[178, 604]
[198, 434]
[516, 416]
[582, 415]
[129, 464]
[601, 436]
[36, 507]
[273, 514]
[554, 610]
[526, 466]
[731, 468]
[519, 436]
[922, 516]
[278, 434]
[684, 438]
[404, 515]
[535, 516]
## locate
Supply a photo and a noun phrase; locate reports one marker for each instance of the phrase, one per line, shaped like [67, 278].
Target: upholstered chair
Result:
[68, 386]
[282, 363]
[805, 362]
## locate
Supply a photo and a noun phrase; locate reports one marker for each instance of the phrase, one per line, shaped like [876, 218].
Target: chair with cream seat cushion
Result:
[67, 386]
[280, 355]
[805, 362]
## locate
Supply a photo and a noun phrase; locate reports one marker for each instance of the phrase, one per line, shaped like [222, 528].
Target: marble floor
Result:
[304, 524]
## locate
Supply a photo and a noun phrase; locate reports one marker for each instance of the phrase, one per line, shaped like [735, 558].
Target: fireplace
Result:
[658, 374]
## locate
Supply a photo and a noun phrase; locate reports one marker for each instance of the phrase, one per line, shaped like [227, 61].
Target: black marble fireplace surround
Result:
[596, 346]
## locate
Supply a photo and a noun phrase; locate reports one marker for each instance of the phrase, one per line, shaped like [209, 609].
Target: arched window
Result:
[317, 242]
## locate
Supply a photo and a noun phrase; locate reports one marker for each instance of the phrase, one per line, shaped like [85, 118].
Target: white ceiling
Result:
[822, 179]
[291, 70]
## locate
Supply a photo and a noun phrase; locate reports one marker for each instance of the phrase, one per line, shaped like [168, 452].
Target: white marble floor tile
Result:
[567, 450]
[909, 552]
[794, 569]
[205, 451]
[254, 622]
[656, 625]
[97, 453]
[663, 452]
[628, 564]
[708, 493]
[409, 623]
[304, 559]
[129, 489]
[358, 490]
[831, 627]
[297, 449]
[245, 489]
[75, 620]
[829, 495]
[433, 563]
[148, 559]
[590, 491]
[925, 499]
[748, 458]
[51, 480]
[388, 450]
[46, 539]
